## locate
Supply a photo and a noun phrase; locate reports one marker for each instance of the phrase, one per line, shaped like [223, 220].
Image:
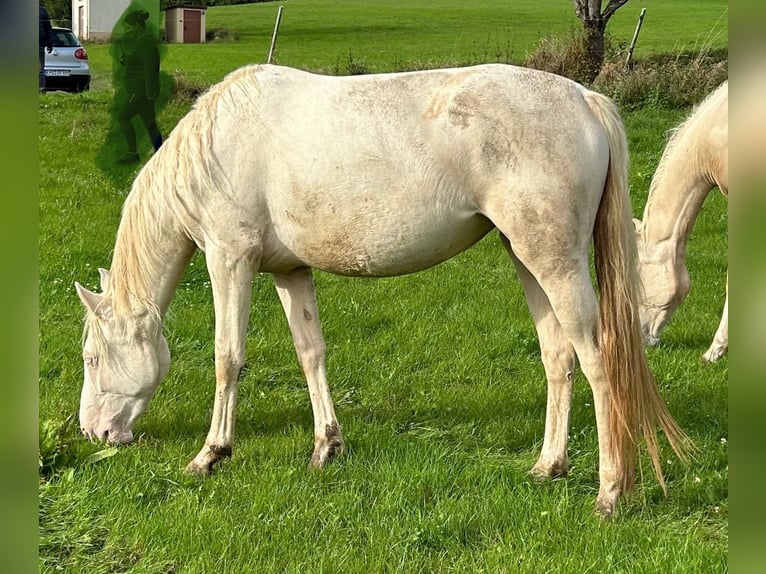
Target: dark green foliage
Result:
[60, 12]
[59, 445]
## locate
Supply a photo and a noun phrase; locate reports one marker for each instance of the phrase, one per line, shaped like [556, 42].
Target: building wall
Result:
[100, 16]
[80, 18]
[105, 13]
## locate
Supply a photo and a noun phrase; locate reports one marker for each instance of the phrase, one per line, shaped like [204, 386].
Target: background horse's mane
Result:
[676, 134]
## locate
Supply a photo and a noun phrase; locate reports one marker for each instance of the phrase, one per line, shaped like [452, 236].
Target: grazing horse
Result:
[278, 170]
[695, 161]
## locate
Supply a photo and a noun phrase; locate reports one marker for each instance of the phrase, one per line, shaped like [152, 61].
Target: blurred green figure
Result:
[137, 79]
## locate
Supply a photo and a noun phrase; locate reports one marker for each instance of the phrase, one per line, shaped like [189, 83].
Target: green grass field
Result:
[436, 376]
[389, 35]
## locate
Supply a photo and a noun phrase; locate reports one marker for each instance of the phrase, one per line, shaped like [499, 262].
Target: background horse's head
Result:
[125, 359]
[665, 285]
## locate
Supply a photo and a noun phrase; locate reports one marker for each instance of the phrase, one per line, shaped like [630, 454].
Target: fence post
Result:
[635, 37]
[274, 35]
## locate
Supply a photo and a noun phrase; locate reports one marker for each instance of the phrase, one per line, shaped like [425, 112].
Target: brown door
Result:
[192, 26]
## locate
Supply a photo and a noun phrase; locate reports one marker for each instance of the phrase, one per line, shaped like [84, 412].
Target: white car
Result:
[66, 67]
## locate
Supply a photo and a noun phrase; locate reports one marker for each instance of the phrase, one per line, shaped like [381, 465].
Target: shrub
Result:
[565, 56]
[673, 81]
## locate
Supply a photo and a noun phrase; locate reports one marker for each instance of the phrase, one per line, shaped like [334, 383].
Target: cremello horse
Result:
[695, 161]
[277, 170]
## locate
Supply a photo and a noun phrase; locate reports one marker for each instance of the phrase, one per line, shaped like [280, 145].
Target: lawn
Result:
[331, 35]
[436, 376]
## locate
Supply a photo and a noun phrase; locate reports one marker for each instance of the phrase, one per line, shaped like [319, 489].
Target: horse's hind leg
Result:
[720, 343]
[560, 363]
[556, 254]
[296, 291]
[574, 303]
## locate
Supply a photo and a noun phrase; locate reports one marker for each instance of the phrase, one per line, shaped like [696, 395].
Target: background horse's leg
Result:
[231, 278]
[296, 291]
[560, 362]
[720, 343]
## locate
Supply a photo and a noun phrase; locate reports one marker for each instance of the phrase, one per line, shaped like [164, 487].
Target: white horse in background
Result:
[695, 161]
[277, 170]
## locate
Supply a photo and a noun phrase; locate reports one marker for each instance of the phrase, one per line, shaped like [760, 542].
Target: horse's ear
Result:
[89, 299]
[638, 224]
[104, 275]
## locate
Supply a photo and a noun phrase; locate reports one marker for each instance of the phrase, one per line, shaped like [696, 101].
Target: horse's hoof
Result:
[196, 469]
[327, 447]
[713, 354]
[202, 465]
[543, 472]
[606, 507]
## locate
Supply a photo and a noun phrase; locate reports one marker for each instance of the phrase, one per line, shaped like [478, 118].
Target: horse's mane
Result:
[179, 173]
[676, 134]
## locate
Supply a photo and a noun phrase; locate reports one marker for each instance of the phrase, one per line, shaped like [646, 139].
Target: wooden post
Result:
[274, 35]
[635, 37]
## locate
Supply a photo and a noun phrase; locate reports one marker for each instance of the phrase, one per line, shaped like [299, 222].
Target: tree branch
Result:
[611, 8]
[581, 9]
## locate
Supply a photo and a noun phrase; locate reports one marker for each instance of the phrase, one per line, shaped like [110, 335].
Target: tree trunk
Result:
[594, 22]
[594, 46]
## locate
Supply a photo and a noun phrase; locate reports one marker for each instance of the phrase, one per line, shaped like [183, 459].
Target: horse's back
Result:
[391, 173]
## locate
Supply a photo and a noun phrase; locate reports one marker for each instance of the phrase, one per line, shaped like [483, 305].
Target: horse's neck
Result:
[677, 193]
[150, 256]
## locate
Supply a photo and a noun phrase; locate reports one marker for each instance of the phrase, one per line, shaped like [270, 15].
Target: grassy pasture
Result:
[388, 35]
[436, 376]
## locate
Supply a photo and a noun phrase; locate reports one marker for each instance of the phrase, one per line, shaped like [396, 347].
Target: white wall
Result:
[100, 17]
[80, 31]
[104, 14]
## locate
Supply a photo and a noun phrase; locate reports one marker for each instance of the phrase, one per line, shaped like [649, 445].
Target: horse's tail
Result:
[636, 404]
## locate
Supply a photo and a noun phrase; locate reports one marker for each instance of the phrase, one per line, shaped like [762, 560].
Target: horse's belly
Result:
[378, 248]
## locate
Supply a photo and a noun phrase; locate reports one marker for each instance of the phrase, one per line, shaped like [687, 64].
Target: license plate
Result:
[56, 72]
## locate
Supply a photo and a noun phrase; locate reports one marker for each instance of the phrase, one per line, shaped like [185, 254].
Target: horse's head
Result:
[665, 283]
[125, 359]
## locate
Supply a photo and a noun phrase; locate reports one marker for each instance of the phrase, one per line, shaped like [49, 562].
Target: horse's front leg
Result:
[720, 343]
[231, 278]
[296, 292]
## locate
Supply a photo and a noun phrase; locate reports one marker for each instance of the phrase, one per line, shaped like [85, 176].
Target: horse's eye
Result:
[91, 362]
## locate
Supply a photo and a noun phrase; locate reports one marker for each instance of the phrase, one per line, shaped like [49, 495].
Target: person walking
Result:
[45, 44]
[139, 58]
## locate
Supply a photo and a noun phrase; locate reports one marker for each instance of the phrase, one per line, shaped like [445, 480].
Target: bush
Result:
[565, 56]
[672, 81]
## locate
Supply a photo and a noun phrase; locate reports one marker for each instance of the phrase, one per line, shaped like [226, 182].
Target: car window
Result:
[63, 39]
